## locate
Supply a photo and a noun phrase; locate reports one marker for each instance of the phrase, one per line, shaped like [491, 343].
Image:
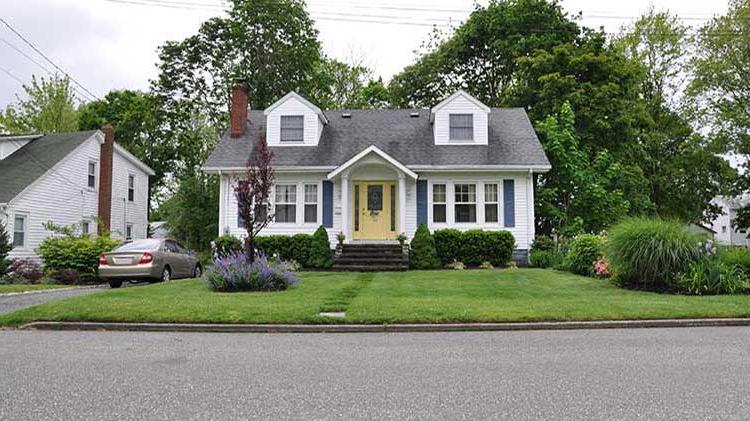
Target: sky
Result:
[112, 44]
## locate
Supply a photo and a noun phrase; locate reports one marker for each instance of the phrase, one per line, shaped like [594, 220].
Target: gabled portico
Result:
[373, 195]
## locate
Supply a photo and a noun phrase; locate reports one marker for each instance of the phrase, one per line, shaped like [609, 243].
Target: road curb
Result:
[363, 328]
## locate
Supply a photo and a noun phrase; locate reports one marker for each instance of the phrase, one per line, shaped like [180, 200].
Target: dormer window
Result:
[292, 128]
[461, 127]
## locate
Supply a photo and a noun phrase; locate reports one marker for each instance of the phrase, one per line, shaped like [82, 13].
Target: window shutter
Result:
[509, 203]
[421, 202]
[327, 204]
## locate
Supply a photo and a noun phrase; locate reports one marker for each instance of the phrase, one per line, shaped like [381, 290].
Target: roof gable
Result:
[301, 99]
[464, 94]
[374, 150]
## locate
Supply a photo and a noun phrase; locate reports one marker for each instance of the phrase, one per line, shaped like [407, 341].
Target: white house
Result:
[373, 174]
[70, 178]
[723, 224]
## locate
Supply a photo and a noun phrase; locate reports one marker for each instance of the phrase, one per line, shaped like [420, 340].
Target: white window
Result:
[19, 231]
[311, 203]
[490, 203]
[461, 126]
[286, 203]
[92, 174]
[129, 231]
[438, 203]
[466, 202]
[131, 187]
[292, 128]
[85, 228]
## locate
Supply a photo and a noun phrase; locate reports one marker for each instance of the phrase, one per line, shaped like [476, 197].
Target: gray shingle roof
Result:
[34, 159]
[512, 141]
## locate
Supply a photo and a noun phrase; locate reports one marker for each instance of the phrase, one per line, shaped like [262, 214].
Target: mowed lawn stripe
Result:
[390, 297]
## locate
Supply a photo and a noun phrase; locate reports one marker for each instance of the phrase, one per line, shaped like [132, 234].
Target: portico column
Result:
[345, 207]
[401, 203]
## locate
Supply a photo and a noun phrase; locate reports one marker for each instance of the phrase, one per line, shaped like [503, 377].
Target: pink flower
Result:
[601, 267]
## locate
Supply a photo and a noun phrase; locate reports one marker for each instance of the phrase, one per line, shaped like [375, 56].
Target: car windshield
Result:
[139, 245]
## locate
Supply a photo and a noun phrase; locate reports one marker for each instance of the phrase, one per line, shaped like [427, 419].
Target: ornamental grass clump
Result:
[651, 253]
[235, 272]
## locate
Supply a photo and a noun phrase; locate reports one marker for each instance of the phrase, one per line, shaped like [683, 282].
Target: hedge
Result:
[80, 253]
[474, 247]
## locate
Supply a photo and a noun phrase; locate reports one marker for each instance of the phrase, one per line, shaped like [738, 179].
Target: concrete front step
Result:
[370, 257]
[370, 268]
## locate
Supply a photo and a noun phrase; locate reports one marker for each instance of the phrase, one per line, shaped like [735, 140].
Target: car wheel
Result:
[115, 284]
[166, 274]
[197, 272]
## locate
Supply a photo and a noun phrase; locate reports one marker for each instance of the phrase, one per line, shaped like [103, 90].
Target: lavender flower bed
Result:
[235, 272]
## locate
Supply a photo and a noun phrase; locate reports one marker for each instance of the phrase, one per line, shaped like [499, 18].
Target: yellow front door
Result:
[375, 210]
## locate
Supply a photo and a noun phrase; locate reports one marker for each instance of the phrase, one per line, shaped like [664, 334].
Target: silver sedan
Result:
[151, 260]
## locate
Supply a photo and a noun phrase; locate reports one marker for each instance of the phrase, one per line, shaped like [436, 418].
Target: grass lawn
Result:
[21, 287]
[417, 296]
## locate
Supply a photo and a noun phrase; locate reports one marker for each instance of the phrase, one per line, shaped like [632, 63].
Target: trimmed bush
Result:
[473, 248]
[74, 252]
[320, 250]
[235, 272]
[584, 251]
[499, 247]
[544, 259]
[650, 253]
[226, 245]
[447, 244]
[423, 254]
[295, 247]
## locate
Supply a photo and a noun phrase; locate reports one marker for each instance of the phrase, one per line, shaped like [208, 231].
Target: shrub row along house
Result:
[373, 174]
[81, 178]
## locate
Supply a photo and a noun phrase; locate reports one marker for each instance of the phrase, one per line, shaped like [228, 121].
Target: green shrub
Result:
[423, 254]
[473, 248]
[544, 259]
[74, 252]
[295, 247]
[455, 265]
[584, 251]
[650, 253]
[736, 256]
[499, 247]
[711, 277]
[320, 250]
[543, 243]
[447, 244]
[227, 244]
[5, 247]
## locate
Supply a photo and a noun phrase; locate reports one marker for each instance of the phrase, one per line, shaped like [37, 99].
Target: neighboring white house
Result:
[373, 174]
[723, 225]
[70, 178]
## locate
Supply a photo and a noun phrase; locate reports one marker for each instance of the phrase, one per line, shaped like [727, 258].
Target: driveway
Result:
[13, 302]
[689, 373]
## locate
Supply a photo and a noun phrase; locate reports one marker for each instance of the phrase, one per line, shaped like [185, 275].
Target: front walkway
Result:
[17, 301]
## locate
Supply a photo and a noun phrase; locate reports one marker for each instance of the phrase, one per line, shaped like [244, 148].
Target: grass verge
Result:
[401, 297]
[4, 289]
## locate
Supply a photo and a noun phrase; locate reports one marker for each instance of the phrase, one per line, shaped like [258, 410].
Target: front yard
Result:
[401, 297]
[4, 289]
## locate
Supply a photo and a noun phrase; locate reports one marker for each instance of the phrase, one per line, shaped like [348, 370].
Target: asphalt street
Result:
[13, 302]
[688, 373]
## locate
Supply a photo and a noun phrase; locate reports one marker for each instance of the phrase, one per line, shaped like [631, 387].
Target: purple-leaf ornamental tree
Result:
[252, 191]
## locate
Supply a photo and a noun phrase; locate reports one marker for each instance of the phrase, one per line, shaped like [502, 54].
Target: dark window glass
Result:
[286, 203]
[131, 188]
[356, 208]
[375, 198]
[490, 212]
[461, 127]
[438, 213]
[466, 213]
[438, 203]
[393, 207]
[19, 231]
[292, 128]
[92, 175]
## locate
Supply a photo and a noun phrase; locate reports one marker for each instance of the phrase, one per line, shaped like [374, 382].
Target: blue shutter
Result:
[509, 203]
[327, 204]
[421, 202]
[240, 220]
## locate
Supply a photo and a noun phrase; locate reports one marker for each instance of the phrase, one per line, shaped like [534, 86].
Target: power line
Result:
[11, 75]
[44, 56]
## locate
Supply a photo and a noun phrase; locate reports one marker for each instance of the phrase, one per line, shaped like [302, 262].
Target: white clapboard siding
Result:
[292, 106]
[123, 211]
[460, 105]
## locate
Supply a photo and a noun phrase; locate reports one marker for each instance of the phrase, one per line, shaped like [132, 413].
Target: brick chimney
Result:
[105, 179]
[238, 109]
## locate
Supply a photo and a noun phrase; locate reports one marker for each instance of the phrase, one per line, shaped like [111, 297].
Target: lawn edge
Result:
[384, 328]
[47, 290]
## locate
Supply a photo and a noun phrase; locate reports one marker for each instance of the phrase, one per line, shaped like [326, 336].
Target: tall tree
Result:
[191, 213]
[482, 55]
[253, 192]
[47, 107]
[721, 86]
[337, 84]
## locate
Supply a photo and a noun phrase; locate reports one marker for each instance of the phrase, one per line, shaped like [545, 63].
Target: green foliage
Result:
[338, 84]
[192, 213]
[543, 243]
[5, 247]
[650, 253]
[227, 244]
[289, 248]
[49, 107]
[584, 251]
[320, 250]
[423, 254]
[447, 244]
[712, 277]
[544, 258]
[736, 256]
[80, 253]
